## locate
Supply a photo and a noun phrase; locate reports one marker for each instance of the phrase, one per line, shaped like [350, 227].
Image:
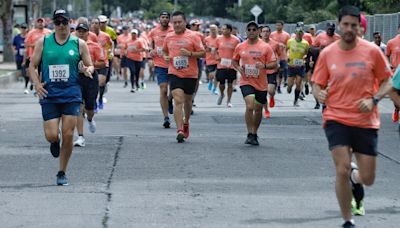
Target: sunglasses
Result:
[58, 22]
[251, 30]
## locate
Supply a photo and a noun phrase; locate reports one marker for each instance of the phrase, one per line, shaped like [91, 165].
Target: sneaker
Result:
[180, 137]
[26, 91]
[186, 130]
[62, 179]
[358, 195]
[166, 123]
[306, 89]
[296, 103]
[234, 90]
[31, 87]
[348, 224]
[132, 90]
[92, 126]
[80, 141]
[357, 210]
[170, 107]
[249, 138]
[271, 101]
[289, 90]
[317, 106]
[194, 104]
[105, 100]
[215, 91]
[254, 140]
[142, 85]
[229, 105]
[267, 114]
[302, 96]
[210, 85]
[125, 84]
[279, 90]
[220, 98]
[55, 149]
[285, 84]
[395, 115]
[101, 105]
[96, 110]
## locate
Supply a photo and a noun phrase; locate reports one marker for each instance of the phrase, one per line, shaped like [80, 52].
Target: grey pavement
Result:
[132, 173]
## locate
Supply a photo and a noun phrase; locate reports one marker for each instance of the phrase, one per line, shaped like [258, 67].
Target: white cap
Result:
[102, 18]
[194, 22]
[135, 31]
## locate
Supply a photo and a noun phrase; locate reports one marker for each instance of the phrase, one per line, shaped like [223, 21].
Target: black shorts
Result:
[188, 85]
[272, 78]
[260, 96]
[296, 71]
[143, 63]
[211, 68]
[124, 62]
[361, 140]
[19, 64]
[89, 89]
[226, 75]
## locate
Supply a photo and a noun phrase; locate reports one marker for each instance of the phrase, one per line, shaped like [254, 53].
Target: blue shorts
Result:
[162, 75]
[54, 111]
[124, 62]
[296, 71]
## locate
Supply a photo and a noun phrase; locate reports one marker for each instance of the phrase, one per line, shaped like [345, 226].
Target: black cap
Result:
[82, 26]
[164, 12]
[61, 13]
[24, 25]
[252, 23]
[125, 27]
[330, 25]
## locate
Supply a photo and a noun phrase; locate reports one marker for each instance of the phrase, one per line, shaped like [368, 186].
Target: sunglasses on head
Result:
[251, 29]
[59, 22]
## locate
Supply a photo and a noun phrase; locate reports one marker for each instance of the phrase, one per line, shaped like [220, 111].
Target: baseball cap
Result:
[24, 25]
[195, 22]
[164, 12]
[61, 13]
[40, 19]
[299, 29]
[330, 25]
[252, 23]
[125, 27]
[135, 31]
[82, 26]
[102, 18]
[312, 27]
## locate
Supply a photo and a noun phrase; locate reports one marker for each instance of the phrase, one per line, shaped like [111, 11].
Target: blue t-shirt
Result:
[396, 79]
[19, 44]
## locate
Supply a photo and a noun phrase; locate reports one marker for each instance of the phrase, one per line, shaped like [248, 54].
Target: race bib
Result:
[59, 73]
[181, 62]
[251, 70]
[226, 62]
[298, 62]
[21, 51]
[132, 48]
[159, 51]
[117, 51]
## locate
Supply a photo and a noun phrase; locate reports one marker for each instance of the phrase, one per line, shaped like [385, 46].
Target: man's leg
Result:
[366, 169]
[68, 126]
[178, 96]
[79, 124]
[164, 98]
[257, 116]
[229, 92]
[290, 83]
[51, 130]
[249, 114]
[297, 91]
[187, 107]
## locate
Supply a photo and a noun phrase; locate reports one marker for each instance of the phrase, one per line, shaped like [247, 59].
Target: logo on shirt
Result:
[71, 52]
[333, 67]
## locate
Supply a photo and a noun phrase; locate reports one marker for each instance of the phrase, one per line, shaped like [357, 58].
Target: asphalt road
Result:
[133, 173]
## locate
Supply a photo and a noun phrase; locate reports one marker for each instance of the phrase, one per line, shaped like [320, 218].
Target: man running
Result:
[19, 52]
[121, 42]
[211, 61]
[226, 45]
[350, 77]
[157, 36]
[393, 53]
[133, 50]
[58, 87]
[251, 59]
[182, 48]
[103, 20]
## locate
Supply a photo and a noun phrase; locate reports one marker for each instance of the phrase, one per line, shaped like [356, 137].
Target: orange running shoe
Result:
[267, 114]
[271, 102]
[395, 115]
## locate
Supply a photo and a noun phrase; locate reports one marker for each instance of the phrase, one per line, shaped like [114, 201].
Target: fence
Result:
[386, 24]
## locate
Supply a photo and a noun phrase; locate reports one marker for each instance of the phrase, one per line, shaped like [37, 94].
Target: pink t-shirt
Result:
[281, 38]
[156, 37]
[226, 48]
[323, 40]
[211, 42]
[393, 51]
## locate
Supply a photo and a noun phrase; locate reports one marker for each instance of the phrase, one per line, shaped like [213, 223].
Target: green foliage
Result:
[152, 9]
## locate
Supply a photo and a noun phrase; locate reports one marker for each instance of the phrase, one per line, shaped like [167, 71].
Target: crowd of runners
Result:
[70, 67]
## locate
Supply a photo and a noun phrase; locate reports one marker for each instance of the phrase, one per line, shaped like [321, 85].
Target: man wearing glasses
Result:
[58, 87]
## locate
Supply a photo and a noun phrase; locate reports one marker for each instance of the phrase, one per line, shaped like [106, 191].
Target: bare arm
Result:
[33, 73]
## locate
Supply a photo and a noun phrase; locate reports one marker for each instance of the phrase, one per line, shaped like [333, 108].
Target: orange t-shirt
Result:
[351, 76]
[96, 53]
[275, 47]
[182, 66]
[92, 37]
[281, 38]
[323, 40]
[393, 51]
[248, 54]
[145, 44]
[104, 40]
[211, 42]
[308, 37]
[156, 37]
[32, 37]
[121, 41]
[132, 47]
[226, 48]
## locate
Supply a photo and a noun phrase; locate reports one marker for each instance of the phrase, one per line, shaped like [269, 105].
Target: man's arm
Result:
[33, 73]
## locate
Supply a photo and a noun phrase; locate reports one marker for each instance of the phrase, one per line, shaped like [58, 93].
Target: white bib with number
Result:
[59, 73]
[298, 62]
[251, 70]
[226, 62]
[21, 51]
[159, 51]
[117, 51]
[181, 62]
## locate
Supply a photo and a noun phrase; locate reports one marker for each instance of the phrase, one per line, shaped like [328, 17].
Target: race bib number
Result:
[251, 70]
[226, 62]
[159, 51]
[117, 51]
[181, 62]
[21, 51]
[59, 73]
[298, 62]
[132, 48]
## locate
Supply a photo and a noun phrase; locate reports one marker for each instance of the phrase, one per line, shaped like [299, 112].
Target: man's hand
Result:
[323, 94]
[184, 52]
[39, 87]
[366, 105]
[166, 58]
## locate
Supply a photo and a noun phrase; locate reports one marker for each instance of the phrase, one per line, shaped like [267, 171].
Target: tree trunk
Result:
[6, 21]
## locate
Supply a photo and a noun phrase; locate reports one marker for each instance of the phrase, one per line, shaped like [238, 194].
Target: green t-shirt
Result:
[396, 79]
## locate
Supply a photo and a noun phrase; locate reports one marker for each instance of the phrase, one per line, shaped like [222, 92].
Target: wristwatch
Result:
[375, 100]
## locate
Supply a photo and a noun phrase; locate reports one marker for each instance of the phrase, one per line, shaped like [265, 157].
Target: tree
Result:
[6, 21]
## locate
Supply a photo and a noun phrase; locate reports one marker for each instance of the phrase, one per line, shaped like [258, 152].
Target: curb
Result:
[8, 78]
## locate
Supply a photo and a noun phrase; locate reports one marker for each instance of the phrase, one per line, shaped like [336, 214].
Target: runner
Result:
[89, 87]
[58, 88]
[297, 48]
[282, 38]
[19, 52]
[351, 76]
[157, 36]
[181, 49]
[271, 74]
[251, 59]
[393, 53]
[133, 51]
[110, 49]
[211, 61]
[121, 42]
[395, 93]
[226, 45]
[378, 41]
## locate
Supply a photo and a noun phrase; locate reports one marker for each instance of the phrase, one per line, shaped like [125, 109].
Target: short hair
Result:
[179, 13]
[228, 26]
[266, 26]
[280, 22]
[349, 11]
[83, 20]
[376, 33]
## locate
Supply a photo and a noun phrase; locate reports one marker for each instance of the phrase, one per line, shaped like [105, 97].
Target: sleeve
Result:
[321, 72]
[198, 44]
[382, 67]
[396, 79]
[269, 55]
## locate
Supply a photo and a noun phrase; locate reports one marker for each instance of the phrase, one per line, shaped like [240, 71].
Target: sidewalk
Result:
[7, 72]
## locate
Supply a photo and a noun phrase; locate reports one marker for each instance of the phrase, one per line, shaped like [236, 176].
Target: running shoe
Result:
[229, 105]
[285, 84]
[279, 90]
[55, 149]
[254, 140]
[271, 101]
[26, 91]
[296, 103]
[249, 138]
[317, 106]
[186, 130]
[101, 105]
[302, 96]
[220, 98]
[132, 90]
[395, 115]
[170, 107]
[210, 85]
[125, 84]
[234, 89]
[80, 141]
[105, 100]
[180, 137]
[357, 209]
[92, 126]
[167, 123]
[306, 89]
[62, 178]
[358, 194]
[215, 91]
[348, 224]
[289, 90]
[267, 114]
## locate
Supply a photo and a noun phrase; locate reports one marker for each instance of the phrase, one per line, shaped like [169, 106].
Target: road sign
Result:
[256, 11]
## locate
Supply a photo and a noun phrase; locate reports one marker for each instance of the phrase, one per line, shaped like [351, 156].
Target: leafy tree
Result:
[6, 22]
